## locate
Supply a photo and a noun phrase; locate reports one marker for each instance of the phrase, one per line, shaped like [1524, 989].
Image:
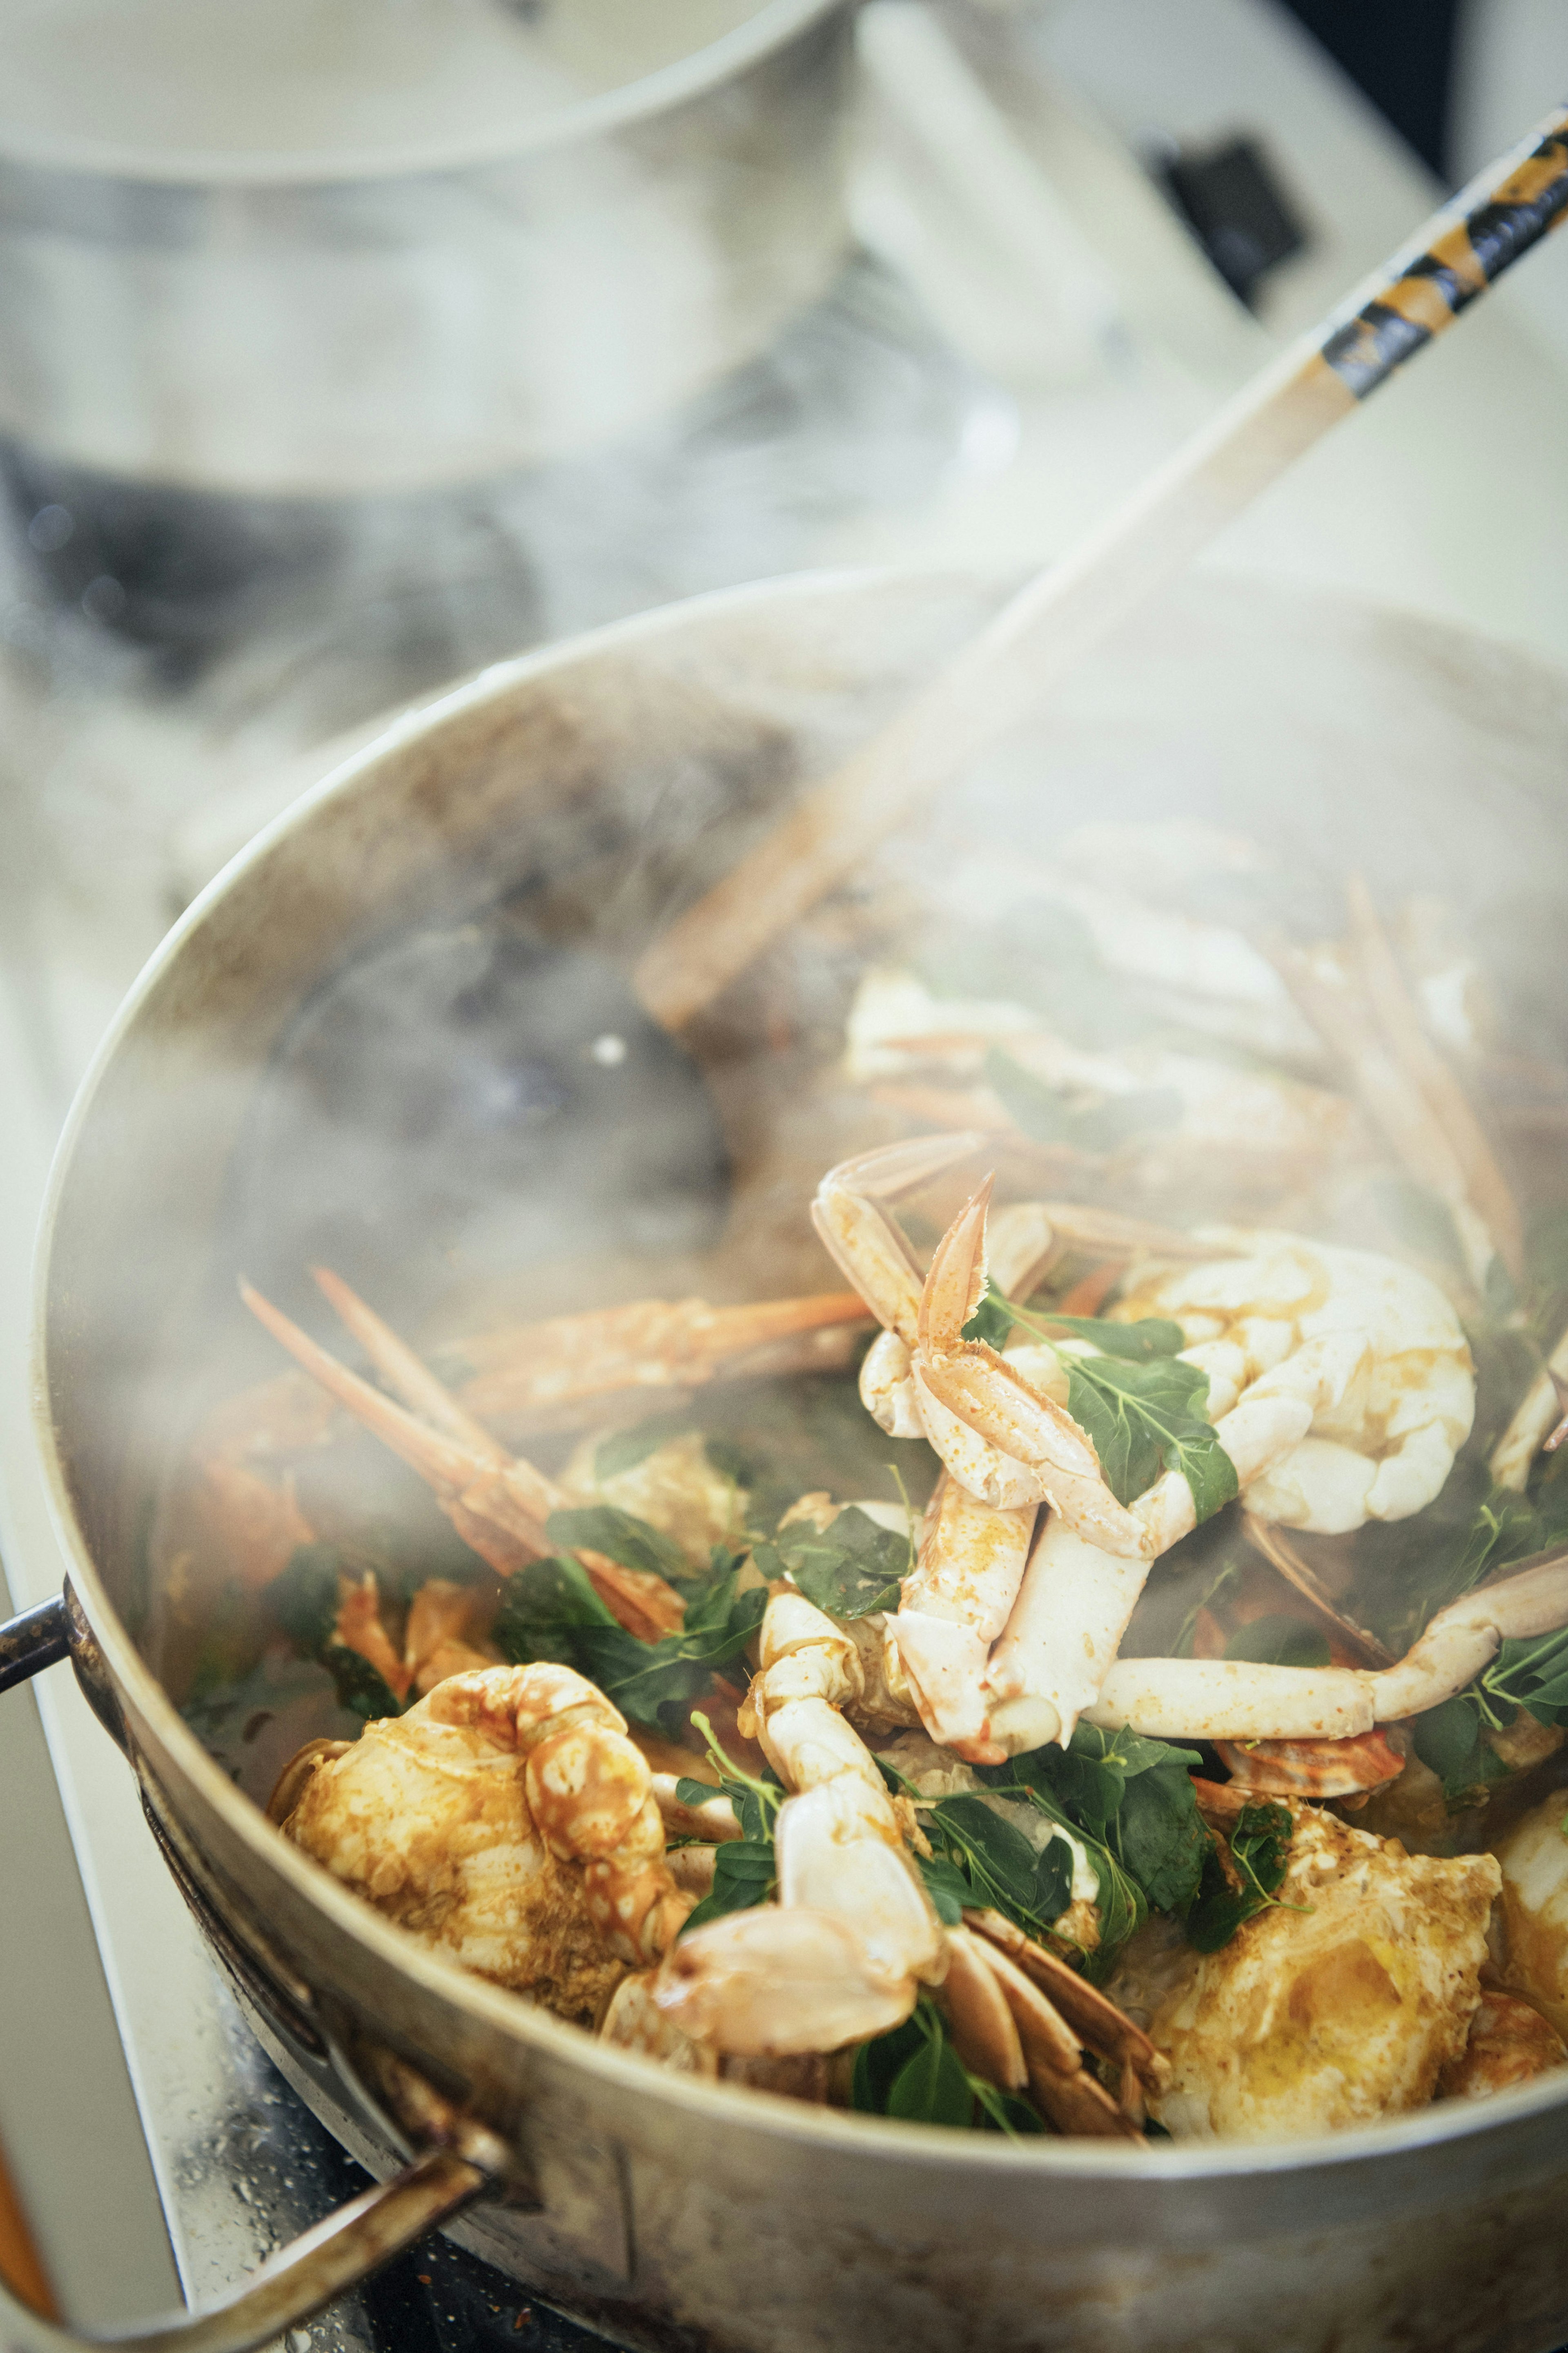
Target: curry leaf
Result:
[1150, 1336]
[550, 1610]
[932, 2087]
[1259, 1844]
[756, 1802]
[303, 1597]
[743, 1874]
[915, 2073]
[1135, 1796]
[1532, 1673]
[1144, 1418]
[361, 1687]
[1450, 1739]
[620, 1536]
[947, 1887]
[849, 1571]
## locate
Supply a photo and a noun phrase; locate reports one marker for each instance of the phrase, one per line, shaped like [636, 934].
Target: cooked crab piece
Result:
[1534, 1857]
[441, 1618]
[1509, 2042]
[507, 1821]
[1357, 999]
[899, 1031]
[571, 1371]
[1310, 1768]
[498, 1502]
[1341, 2003]
[1235, 1699]
[844, 1952]
[955, 1604]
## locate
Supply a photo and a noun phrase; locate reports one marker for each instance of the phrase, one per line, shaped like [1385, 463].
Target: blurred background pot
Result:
[295, 297]
[513, 246]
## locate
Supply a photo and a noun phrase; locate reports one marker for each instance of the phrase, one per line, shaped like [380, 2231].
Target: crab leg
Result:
[1530, 1422]
[1233, 1699]
[1060, 1638]
[1314, 1769]
[841, 1860]
[953, 1606]
[566, 1372]
[842, 1954]
[498, 1502]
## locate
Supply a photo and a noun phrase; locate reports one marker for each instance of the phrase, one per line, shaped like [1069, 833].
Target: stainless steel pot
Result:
[321, 324]
[669, 2211]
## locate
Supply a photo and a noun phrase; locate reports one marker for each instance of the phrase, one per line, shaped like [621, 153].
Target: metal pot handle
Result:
[323, 2261]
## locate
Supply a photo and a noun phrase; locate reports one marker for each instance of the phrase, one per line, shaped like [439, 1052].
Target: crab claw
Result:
[771, 1981]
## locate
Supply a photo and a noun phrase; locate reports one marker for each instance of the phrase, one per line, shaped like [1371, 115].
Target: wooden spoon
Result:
[1050, 624]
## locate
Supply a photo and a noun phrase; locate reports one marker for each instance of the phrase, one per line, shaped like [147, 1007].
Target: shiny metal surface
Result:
[342, 328]
[669, 2211]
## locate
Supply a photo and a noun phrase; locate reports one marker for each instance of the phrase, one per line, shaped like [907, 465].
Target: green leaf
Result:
[991, 1322]
[1150, 1337]
[620, 1536]
[680, 1666]
[694, 1793]
[1451, 1740]
[744, 1875]
[1279, 1641]
[1132, 1799]
[854, 1569]
[550, 1610]
[304, 1598]
[1259, 1845]
[947, 1887]
[1532, 1673]
[994, 1855]
[1162, 1838]
[878, 2064]
[933, 2087]
[360, 1686]
[915, 2073]
[1047, 1113]
[1143, 1417]
[1053, 1880]
[1003, 2112]
[543, 1610]
[756, 1802]
[625, 1448]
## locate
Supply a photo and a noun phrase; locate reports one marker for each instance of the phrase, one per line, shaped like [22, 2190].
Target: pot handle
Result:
[288, 2287]
[323, 2261]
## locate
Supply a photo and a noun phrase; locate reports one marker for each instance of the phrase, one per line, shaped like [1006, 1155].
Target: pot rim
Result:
[687, 78]
[775, 2117]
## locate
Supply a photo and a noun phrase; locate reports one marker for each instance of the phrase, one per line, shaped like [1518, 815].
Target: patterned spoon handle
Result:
[1002, 676]
[1459, 253]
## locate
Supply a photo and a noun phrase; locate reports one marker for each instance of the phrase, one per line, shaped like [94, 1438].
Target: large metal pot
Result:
[667, 2210]
[438, 307]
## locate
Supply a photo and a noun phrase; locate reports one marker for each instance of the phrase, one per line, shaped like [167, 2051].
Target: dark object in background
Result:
[1402, 54]
[1237, 209]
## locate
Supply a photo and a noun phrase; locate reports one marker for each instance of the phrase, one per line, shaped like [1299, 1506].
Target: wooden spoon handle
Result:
[1052, 622]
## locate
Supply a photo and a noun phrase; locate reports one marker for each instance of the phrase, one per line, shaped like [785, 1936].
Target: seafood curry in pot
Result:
[1058, 1622]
